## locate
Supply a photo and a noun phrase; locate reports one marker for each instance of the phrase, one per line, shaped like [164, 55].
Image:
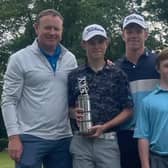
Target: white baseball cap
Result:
[134, 18]
[93, 30]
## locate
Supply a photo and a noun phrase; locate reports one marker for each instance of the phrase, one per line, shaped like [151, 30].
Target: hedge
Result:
[3, 143]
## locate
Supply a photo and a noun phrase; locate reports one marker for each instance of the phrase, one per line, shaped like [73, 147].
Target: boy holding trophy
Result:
[100, 99]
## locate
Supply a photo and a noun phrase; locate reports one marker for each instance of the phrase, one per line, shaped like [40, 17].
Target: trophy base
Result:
[84, 128]
[86, 133]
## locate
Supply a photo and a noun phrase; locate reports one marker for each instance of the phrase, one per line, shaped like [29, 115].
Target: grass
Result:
[5, 161]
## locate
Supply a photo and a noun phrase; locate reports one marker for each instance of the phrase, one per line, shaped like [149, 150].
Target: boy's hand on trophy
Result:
[96, 130]
[78, 114]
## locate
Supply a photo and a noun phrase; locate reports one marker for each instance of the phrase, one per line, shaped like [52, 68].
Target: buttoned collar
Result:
[142, 57]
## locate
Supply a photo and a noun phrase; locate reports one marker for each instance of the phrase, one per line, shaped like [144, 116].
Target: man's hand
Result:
[110, 62]
[78, 114]
[15, 147]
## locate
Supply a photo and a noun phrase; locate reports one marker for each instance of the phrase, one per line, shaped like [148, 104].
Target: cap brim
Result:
[93, 35]
[132, 22]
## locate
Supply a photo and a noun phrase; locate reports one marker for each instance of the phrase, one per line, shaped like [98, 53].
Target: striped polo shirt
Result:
[143, 77]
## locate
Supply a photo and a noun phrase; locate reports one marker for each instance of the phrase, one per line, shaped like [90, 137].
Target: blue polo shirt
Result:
[142, 77]
[152, 121]
[52, 59]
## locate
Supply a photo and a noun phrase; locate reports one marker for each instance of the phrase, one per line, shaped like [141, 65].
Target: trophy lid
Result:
[82, 84]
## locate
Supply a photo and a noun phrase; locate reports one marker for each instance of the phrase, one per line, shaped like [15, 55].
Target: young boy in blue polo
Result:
[152, 122]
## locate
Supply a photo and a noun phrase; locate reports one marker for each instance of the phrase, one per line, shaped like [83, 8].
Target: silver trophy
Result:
[84, 103]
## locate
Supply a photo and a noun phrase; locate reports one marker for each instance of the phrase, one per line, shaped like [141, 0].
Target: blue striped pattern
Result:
[143, 78]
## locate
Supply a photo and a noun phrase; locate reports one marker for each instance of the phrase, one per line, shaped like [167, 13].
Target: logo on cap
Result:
[93, 30]
[134, 18]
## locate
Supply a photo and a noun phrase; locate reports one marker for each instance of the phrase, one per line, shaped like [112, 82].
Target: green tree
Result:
[77, 14]
[158, 15]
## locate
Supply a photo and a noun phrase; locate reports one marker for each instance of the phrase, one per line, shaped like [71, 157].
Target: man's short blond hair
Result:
[47, 12]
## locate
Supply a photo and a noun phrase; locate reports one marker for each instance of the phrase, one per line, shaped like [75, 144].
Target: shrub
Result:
[3, 143]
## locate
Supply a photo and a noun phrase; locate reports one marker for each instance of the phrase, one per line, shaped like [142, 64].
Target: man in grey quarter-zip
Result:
[34, 98]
